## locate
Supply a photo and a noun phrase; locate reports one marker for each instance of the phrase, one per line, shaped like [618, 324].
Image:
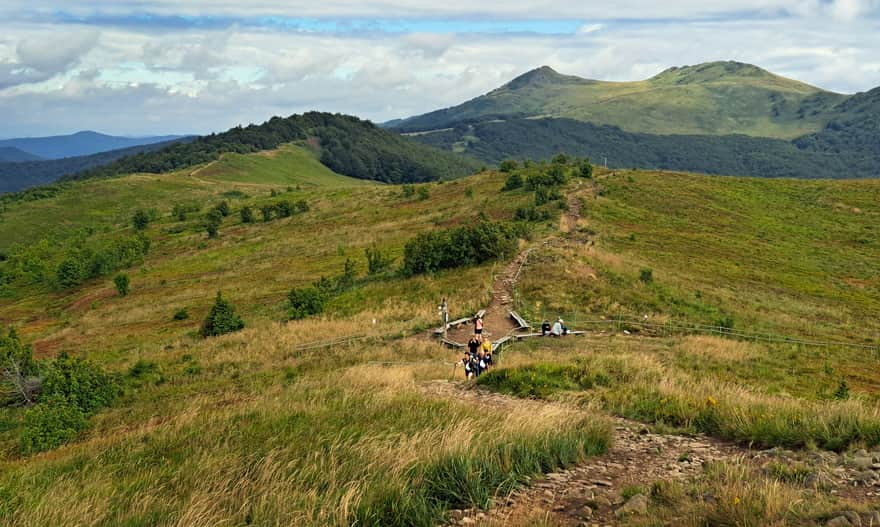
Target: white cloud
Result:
[139, 79]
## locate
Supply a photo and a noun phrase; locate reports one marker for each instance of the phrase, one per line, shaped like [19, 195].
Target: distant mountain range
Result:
[25, 174]
[10, 154]
[77, 144]
[720, 117]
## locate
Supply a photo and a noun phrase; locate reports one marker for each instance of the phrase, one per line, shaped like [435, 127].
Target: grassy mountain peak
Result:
[715, 98]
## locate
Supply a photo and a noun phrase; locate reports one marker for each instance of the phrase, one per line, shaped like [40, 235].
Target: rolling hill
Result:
[10, 154]
[79, 144]
[717, 98]
[352, 415]
[346, 144]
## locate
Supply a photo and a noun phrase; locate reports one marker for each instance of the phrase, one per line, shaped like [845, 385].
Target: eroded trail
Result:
[591, 494]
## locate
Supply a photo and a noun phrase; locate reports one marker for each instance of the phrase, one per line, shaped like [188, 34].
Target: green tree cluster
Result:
[221, 319]
[460, 246]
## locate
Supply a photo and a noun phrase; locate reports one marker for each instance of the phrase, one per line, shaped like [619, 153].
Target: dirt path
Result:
[591, 493]
[497, 321]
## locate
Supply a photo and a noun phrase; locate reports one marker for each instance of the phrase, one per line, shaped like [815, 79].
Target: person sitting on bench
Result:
[545, 328]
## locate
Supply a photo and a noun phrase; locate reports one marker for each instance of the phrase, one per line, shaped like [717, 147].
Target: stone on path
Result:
[839, 521]
[638, 504]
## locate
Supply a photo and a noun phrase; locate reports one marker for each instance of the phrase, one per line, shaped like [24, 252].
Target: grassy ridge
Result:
[777, 256]
[717, 98]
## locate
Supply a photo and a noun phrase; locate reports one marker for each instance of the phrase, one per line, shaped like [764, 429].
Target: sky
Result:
[144, 67]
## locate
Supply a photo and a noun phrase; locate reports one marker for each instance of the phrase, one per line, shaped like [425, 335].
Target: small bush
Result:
[408, 191]
[377, 262]
[181, 314]
[842, 391]
[140, 220]
[266, 211]
[508, 165]
[646, 275]
[78, 382]
[532, 214]
[283, 209]
[301, 206]
[122, 283]
[221, 319]
[514, 181]
[586, 169]
[51, 424]
[223, 208]
[306, 301]
[247, 215]
[423, 193]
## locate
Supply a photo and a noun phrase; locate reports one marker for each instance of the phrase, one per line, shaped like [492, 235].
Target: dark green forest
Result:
[348, 146]
[842, 150]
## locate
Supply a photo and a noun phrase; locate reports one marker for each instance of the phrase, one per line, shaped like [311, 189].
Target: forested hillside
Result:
[348, 145]
[828, 154]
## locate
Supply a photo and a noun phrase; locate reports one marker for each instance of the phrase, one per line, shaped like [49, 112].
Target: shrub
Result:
[531, 213]
[560, 159]
[408, 191]
[349, 273]
[586, 169]
[646, 275]
[51, 424]
[514, 181]
[140, 220]
[283, 209]
[122, 284]
[266, 211]
[180, 210]
[247, 215]
[842, 391]
[221, 319]
[213, 221]
[72, 271]
[181, 314]
[508, 165]
[460, 246]
[301, 206]
[553, 176]
[78, 382]
[545, 195]
[306, 301]
[223, 208]
[377, 262]
[423, 193]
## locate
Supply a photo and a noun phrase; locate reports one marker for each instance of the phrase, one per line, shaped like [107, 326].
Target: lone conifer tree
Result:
[221, 319]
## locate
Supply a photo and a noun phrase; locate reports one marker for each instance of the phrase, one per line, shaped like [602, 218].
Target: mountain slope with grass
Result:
[347, 145]
[251, 340]
[716, 98]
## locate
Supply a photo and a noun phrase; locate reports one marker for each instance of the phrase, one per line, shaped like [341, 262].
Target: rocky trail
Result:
[592, 494]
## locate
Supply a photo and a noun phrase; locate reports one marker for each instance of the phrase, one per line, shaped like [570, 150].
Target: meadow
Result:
[269, 426]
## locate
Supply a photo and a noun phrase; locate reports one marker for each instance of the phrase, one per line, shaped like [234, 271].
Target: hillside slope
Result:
[335, 419]
[834, 153]
[347, 145]
[717, 98]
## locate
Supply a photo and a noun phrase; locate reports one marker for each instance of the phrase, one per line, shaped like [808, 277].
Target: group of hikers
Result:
[478, 357]
[558, 328]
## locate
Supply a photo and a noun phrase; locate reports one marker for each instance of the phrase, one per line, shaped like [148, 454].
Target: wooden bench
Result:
[480, 314]
[452, 343]
[454, 323]
[500, 342]
[519, 320]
